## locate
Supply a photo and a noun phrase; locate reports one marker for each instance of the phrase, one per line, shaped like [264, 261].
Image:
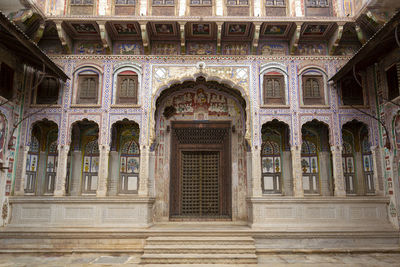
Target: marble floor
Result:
[275, 260]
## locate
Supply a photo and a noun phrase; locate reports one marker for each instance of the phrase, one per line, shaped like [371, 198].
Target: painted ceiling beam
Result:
[335, 39]
[294, 40]
[66, 40]
[183, 39]
[145, 37]
[219, 36]
[256, 36]
[105, 37]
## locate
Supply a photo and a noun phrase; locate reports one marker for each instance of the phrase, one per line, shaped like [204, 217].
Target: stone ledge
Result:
[80, 199]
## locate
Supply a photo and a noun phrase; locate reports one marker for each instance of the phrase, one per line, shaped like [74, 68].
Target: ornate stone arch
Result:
[41, 118]
[284, 119]
[115, 119]
[324, 120]
[90, 118]
[362, 119]
[233, 88]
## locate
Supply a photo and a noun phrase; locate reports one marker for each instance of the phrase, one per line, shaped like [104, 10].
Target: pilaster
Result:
[61, 176]
[144, 172]
[103, 170]
[338, 177]
[256, 172]
[377, 156]
[21, 190]
[297, 172]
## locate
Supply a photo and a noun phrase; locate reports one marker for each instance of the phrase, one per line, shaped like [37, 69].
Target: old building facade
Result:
[178, 112]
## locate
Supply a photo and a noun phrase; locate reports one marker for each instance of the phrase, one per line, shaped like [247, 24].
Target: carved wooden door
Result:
[200, 170]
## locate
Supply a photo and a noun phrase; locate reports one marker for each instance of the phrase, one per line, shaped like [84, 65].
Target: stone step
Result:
[199, 259]
[217, 240]
[199, 248]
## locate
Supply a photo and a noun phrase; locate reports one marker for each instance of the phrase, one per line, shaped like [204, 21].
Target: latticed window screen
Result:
[200, 187]
[348, 168]
[275, 2]
[163, 2]
[200, 2]
[317, 3]
[125, 2]
[47, 91]
[312, 88]
[90, 167]
[237, 2]
[271, 167]
[309, 165]
[127, 89]
[32, 162]
[129, 167]
[88, 89]
[272, 87]
[367, 166]
[82, 2]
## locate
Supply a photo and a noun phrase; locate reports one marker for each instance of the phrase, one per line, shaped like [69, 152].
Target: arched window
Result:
[348, 167]
[367, 165]
[271, 167]
[88, 89]
[47, 91]
[51, 168]
[127, 85]
[90, 167]
[309, 165]
[129, 167]
[32, 162]
[274, 88]
[313, 89]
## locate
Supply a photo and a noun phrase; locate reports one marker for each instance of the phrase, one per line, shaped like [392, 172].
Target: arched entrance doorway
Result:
[200, 152]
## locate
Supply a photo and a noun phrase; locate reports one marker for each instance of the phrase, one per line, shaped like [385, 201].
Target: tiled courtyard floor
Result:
[326, 259]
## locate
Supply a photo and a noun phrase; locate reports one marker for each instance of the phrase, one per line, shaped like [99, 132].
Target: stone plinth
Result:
[87, 211]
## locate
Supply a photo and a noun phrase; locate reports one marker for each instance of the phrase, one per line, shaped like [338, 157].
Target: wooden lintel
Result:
[65, 39]
[335, 39]
[256, 37]
[294, 40]
[145, 37]
[105, 37]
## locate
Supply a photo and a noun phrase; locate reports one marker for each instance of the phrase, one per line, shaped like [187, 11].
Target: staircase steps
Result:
[199, 250]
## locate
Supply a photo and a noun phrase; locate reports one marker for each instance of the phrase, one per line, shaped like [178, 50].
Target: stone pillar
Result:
[113, 174]
[324, 171]
[359, 167]
[287, 179]
[377, 157]
[76, 173]
[103, 170]
[21, 190]
[297, 172]
[256, 172]
[41, 173]
[152, 170]
[61, 176]
[337, 167]
[144, 172]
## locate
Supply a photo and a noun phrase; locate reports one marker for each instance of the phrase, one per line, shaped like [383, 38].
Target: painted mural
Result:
[128, 48]
[195, 48]
[273, 49]
[191, 102]
[90, 48]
